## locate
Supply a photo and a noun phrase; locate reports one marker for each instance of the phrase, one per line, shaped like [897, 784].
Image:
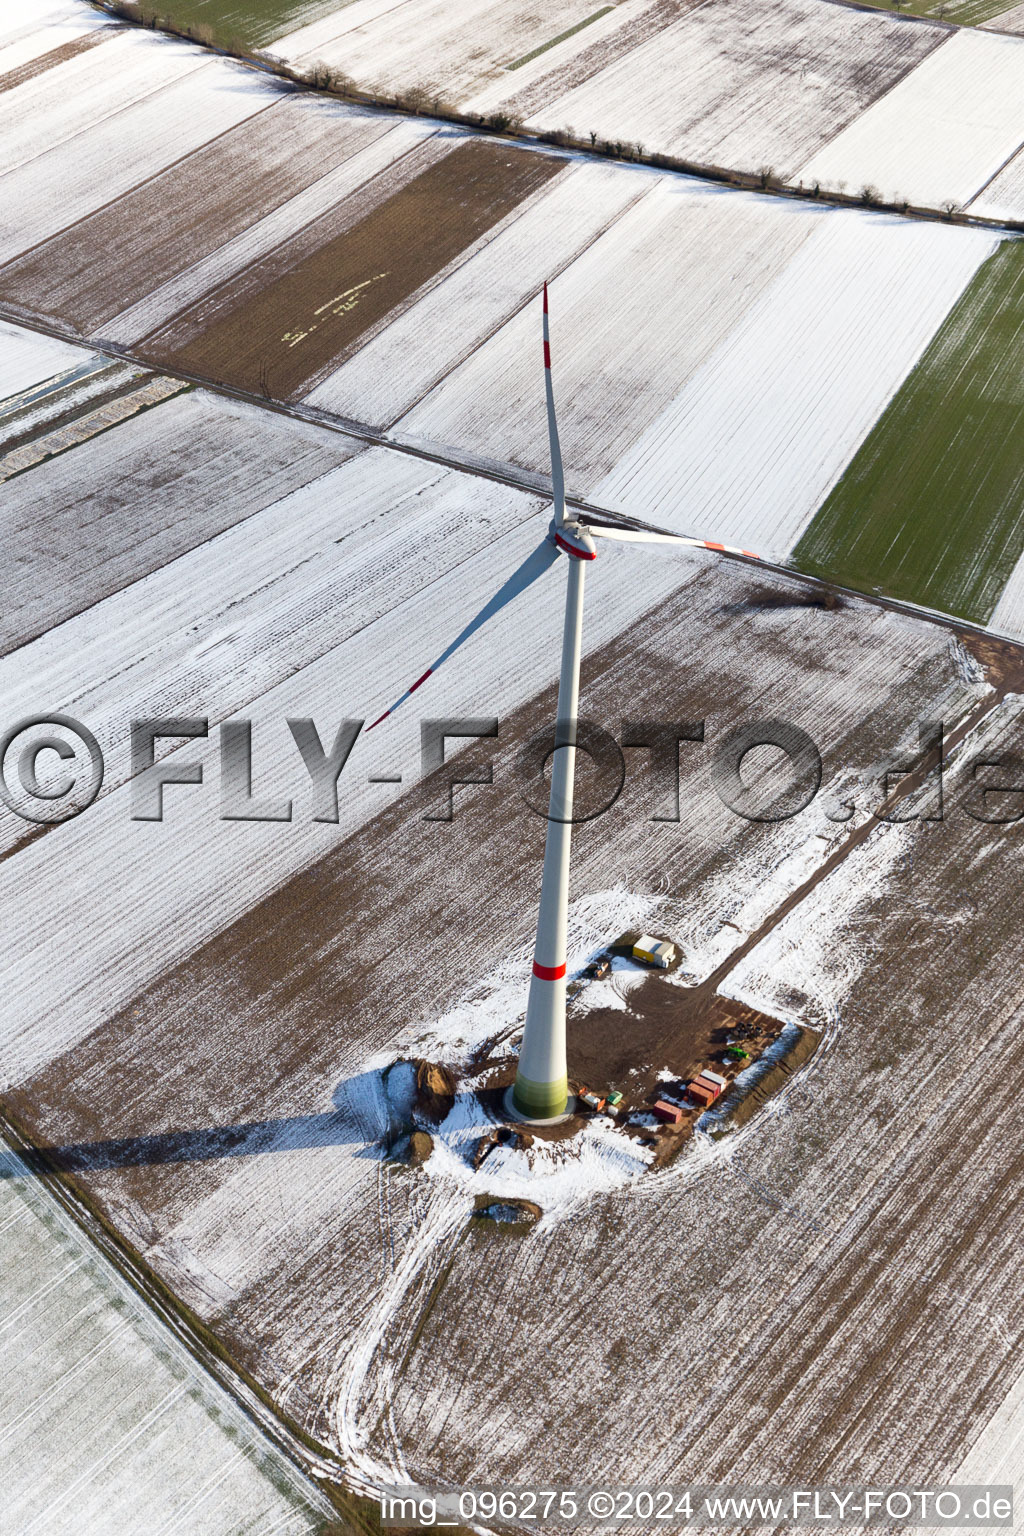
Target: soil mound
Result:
[435, 1090]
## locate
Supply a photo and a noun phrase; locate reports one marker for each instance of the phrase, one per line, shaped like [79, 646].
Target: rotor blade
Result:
[557, 476]
[535, 565]
[640, 536]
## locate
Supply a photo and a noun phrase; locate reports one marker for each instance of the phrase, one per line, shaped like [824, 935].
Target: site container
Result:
[701, 1094]
[670, 1113]
[657, 952]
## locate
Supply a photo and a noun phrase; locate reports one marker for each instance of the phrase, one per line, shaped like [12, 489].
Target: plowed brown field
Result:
[175, 219]
[276, 331]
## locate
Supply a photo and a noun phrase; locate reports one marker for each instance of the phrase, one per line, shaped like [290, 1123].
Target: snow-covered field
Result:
[109, 1425]
[121, 148]
[1003, 196]
[719, 356]
[745, 83]
[1009, 21]
[447, 46]
[942, 134]
[51, 27]
[28, 360]
[815, 92]
[750, 448]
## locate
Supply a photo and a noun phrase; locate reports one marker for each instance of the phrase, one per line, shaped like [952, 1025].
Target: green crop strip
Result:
[931, 509]
[560, 38]
[965, 13]
[241, 23]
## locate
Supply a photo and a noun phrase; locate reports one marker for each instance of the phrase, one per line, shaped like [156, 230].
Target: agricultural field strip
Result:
[112, 156]
[947, 438]
[140, 496]
[109, 1425]
[285, 323]
[400, 364]
[798, 384]
[941, 134]
[173, 220]
[47, 37]
[70, 435]
[759, 84]
[447, 48]
[683, 425]
[29, 358]
[244, 250]
[84, 387]
[241, 613]
[1009, 21]
[1003, 198]
[621, 300]
[617, 32]
[81, 93]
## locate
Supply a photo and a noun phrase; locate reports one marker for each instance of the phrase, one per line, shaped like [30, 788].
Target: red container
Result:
[701, 1094]
[670, 1113]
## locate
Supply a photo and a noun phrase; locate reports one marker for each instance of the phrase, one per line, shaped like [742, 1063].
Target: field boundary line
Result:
[496, 125]
[998, 172]
[201, 1342]
[521, 480]
[517, 309]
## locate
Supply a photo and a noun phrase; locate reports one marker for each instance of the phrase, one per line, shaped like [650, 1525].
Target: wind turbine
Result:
[540, 1093]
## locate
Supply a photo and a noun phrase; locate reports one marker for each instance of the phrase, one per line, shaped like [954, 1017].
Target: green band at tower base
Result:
[540, 1101]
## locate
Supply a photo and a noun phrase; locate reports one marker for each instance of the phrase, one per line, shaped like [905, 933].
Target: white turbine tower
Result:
[540, 1093]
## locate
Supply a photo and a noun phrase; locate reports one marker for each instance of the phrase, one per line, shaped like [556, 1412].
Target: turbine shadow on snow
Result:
[352, 1122]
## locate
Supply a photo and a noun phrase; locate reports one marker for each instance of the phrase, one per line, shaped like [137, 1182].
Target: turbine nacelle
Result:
[573, 539]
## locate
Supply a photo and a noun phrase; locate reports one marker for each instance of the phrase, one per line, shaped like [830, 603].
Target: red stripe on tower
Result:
[420, 680]
[547, 354]
[548, 972]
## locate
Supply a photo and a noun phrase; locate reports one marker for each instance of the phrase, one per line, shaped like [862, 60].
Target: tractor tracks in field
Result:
[904, 788]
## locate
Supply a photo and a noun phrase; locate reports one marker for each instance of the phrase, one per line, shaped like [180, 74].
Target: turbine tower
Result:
[541, 1091]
